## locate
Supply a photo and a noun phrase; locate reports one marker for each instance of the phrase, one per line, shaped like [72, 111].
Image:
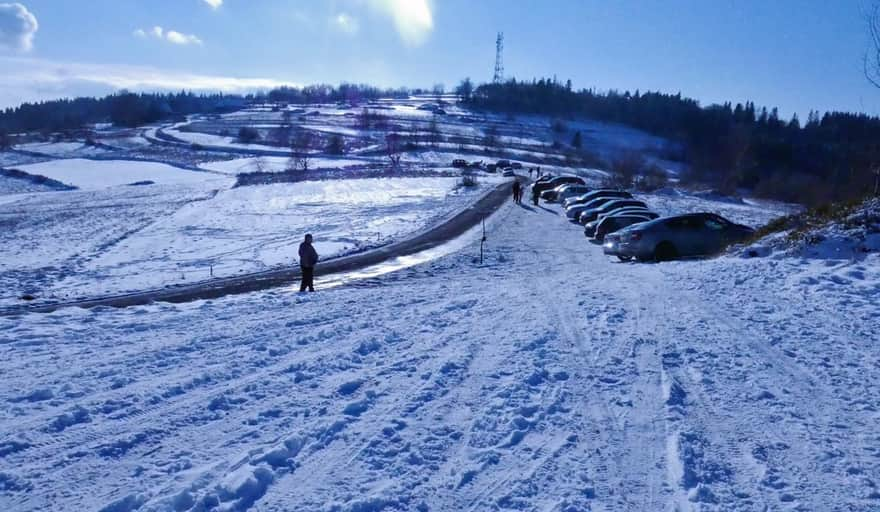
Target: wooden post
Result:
[482, 240]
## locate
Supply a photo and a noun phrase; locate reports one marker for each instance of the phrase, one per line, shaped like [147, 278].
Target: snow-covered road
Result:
[548, 378]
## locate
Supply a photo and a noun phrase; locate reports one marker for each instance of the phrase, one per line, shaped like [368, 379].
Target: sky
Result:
[797, 55]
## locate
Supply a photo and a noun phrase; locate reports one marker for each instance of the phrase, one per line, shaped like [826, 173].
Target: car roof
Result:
[627, 216]
[612, 202]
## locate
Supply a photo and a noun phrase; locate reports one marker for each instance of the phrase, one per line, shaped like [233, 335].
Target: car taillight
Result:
[635, 235]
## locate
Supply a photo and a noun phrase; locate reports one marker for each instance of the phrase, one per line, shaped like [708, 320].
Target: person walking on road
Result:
[535, 195]
[308, 257]
[517, 190]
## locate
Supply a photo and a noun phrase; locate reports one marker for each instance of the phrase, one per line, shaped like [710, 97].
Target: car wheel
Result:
[623, 257]
[665, 251]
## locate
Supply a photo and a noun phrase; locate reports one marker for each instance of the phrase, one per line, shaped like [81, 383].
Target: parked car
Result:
[491, 168]
[572, 191]
[612, 223]
[508, 172]
[604, 192]
[590, 227]
[574, 211]
[516, 165]
[667, 238]
[502, 163]
[592, 214]
[459, 162]
[554, 182]
[553, 194]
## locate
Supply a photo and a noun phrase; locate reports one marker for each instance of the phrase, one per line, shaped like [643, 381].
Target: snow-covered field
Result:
[275, 164]
[74, 244]
[550, 377]
[98, 174]
[61, 149]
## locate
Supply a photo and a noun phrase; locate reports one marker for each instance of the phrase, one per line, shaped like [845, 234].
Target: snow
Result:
[277, 164]
[98, 174]
[549, 377]
[61, 149]
[207, 139]
[132, 238]
[14, 186]
[546, 377]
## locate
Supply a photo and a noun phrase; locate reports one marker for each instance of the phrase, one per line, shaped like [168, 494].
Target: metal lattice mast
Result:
[499, 62]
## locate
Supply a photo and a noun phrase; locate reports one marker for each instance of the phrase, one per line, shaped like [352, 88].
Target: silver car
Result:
[573, 212]
[667, 238]
[613, 223]
[586, 198]
[552, 195]
[593, 213]
[591, 228]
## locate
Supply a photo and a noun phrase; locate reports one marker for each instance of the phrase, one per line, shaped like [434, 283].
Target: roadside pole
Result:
[482, 240]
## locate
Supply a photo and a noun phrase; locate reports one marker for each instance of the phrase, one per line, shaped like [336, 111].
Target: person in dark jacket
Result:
[308, 257]
[517, 190]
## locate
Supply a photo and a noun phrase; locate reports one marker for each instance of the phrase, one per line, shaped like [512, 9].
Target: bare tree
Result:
[363, 120]
[491, 138]
[393, 149]
[438, 91]
[335, 145]
[414, 136]
[300, 156]
[281, 136]
[260, 164]
[434, 131]
[872, 54]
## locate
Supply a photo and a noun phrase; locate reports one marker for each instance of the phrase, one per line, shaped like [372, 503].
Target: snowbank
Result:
[98, 174]
[841, 232]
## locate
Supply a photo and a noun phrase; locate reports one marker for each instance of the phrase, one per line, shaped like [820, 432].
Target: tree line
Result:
[130, 109]
[829, 157]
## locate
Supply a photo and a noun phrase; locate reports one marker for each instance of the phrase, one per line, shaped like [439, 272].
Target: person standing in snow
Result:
[308, 257]
[535, 195]
[517, 188]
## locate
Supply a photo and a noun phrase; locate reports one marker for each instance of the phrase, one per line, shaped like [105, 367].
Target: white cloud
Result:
[37, 80]
[215, 4]
[413, 19]
[178, 38]
[345, 23]
[17, 27]
[171, 36]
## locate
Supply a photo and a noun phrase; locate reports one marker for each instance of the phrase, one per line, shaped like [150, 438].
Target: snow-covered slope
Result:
[97, 174]
[547, 378]
[85, 243]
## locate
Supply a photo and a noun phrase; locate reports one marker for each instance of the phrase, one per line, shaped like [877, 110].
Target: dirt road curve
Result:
[440, 234]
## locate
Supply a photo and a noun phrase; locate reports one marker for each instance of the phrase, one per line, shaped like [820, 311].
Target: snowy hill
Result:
[546, 377]
[549, 377]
